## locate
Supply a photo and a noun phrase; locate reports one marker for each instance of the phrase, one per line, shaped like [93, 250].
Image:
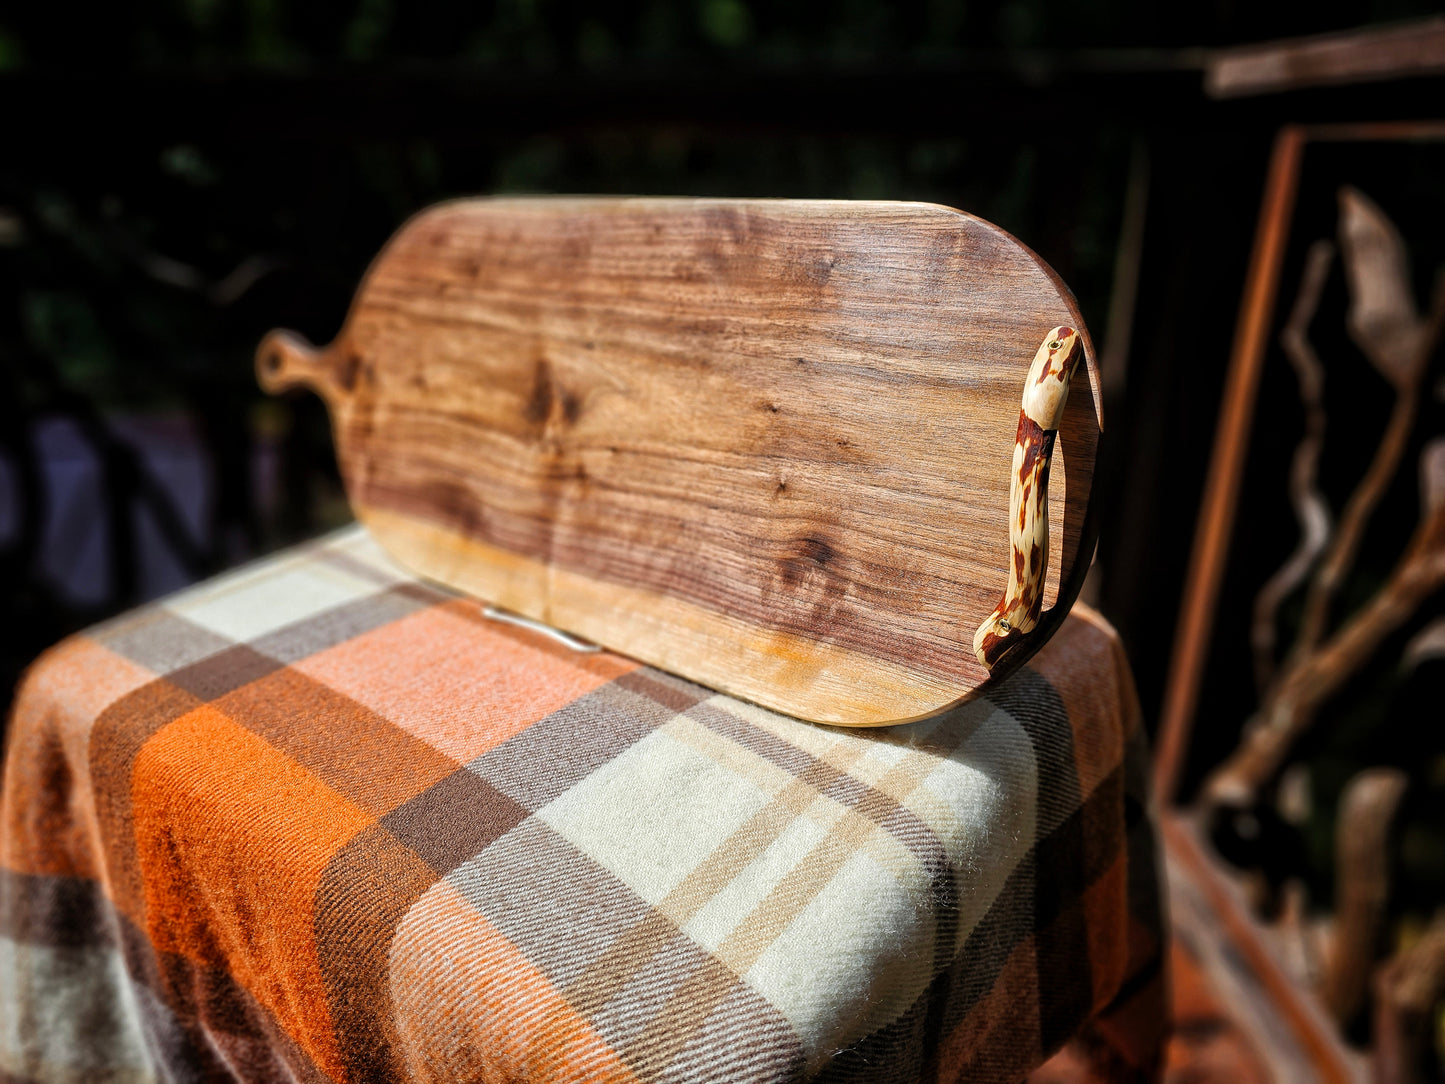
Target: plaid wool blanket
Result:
[316, 820]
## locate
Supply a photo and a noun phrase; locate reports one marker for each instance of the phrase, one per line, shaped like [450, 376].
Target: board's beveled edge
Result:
[565, 612]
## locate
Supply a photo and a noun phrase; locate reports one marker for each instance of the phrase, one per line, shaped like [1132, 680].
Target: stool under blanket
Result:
[318, 820]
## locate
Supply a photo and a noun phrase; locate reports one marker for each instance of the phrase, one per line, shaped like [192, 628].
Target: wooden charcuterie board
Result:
[764, 444]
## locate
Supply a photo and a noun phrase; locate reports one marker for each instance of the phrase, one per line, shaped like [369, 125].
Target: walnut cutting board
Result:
[762, 444]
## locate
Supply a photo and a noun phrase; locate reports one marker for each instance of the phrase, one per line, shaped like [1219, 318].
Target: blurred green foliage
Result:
[552, 35]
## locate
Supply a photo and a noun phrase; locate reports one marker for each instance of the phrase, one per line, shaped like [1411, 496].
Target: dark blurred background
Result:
[178, 177]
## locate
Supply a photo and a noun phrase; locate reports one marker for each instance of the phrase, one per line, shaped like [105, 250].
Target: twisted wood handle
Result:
[1045, 391]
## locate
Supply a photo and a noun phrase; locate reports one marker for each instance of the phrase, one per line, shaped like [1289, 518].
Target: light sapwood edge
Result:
[1046, 390]
[811, 680]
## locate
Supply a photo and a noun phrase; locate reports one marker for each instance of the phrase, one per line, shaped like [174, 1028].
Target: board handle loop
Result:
[287, 360]
[1045, 391]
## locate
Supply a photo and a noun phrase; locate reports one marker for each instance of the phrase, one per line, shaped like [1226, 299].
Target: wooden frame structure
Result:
[1219, 502]
[1295, 1031]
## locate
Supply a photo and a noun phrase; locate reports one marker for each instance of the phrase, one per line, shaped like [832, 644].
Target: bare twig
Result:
[1383, 322]
[221, 292]
[1407, 990]
[1309, 504]
[1290, 708]
[1362, 872]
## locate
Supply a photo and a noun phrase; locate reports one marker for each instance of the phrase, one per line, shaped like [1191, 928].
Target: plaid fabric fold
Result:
[317, 820]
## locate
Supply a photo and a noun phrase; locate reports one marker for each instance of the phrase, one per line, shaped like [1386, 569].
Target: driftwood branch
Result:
[1382, 318]
[1407, 990]
[1428, 643]
[1362, 872]
[1309, 504]
[1384, 323]
[1314, 672]
[1297, 695]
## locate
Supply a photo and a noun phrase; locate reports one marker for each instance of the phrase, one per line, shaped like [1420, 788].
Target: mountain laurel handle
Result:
[1045, 392]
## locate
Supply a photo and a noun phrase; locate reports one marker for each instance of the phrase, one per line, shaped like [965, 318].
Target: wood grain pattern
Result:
[761, 444]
